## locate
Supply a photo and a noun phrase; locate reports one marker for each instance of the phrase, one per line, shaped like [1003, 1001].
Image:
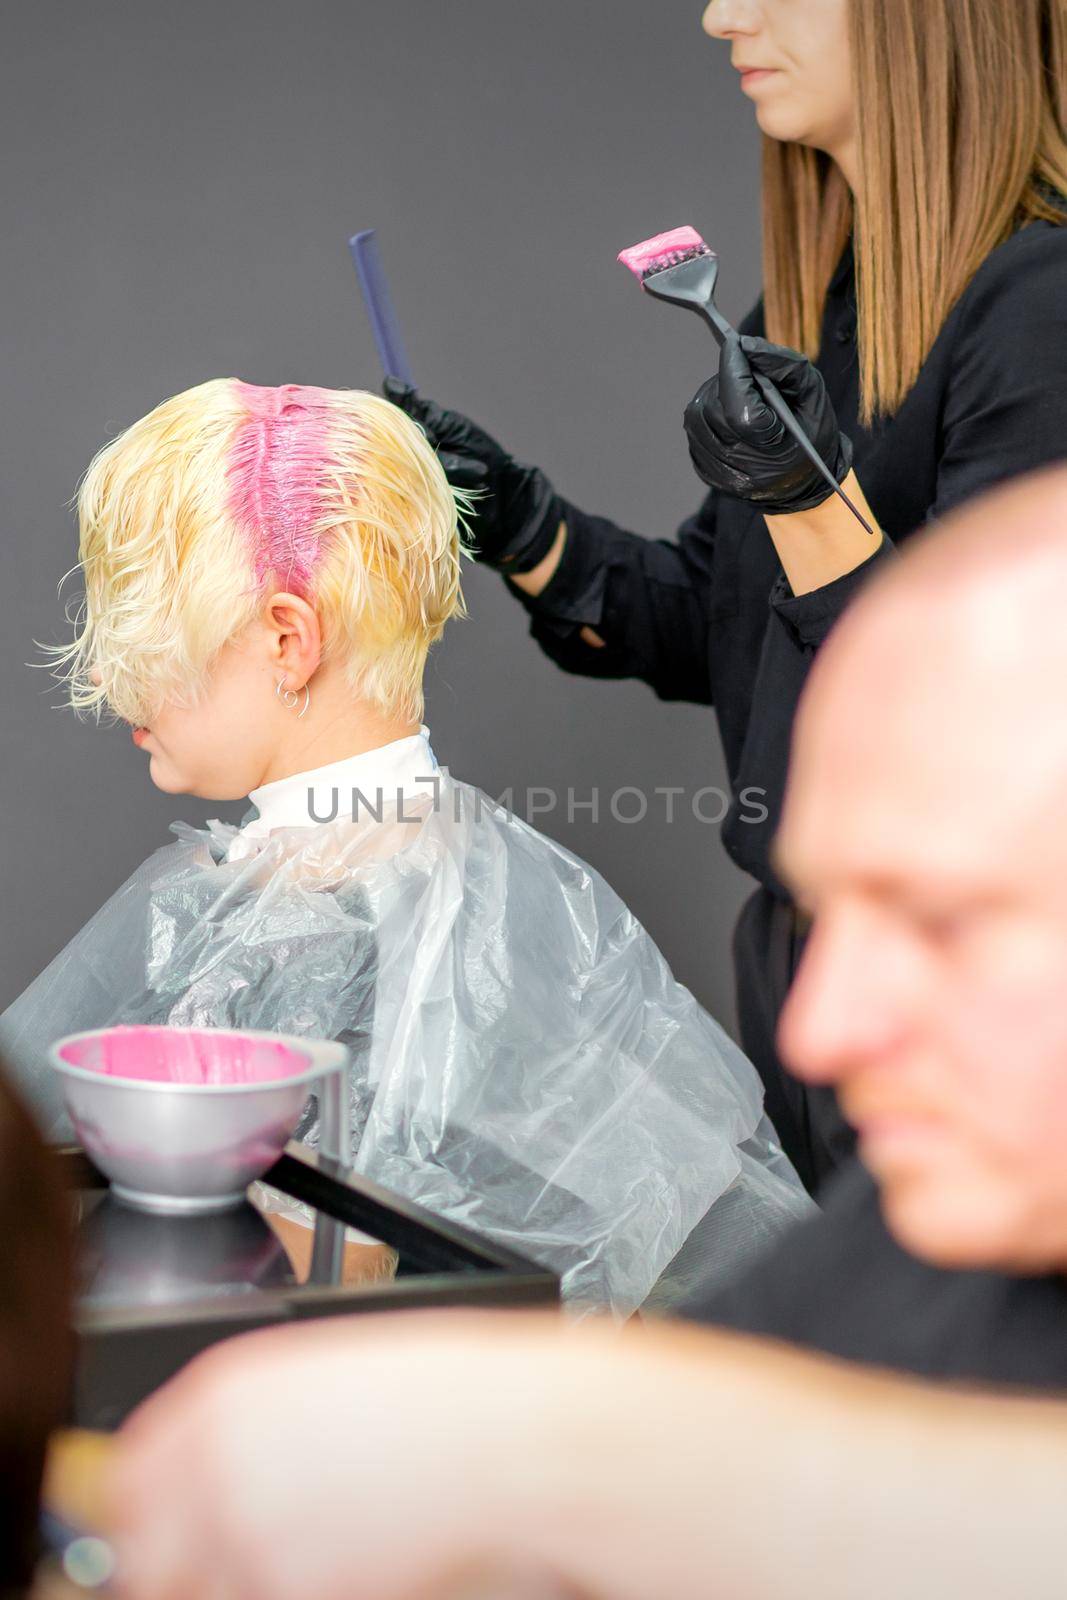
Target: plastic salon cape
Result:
[523, 1062]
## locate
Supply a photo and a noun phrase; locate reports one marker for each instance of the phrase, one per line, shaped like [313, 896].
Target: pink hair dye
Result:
[665, 250]
[278, 465]
[204, 1058]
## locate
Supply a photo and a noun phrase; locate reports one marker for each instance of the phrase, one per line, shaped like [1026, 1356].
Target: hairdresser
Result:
[915, 249]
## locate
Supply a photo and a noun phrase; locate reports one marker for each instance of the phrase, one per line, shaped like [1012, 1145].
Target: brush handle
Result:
[780, 406]
[722, 330]
[383, 319]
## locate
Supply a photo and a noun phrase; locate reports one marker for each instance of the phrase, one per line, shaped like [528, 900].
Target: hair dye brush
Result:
[680, 268]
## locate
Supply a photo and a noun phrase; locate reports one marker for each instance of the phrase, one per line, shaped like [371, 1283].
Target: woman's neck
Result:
[349, 730]
[846, 155]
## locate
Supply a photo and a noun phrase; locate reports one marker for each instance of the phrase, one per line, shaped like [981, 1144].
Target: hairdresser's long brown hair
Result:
[962, 118]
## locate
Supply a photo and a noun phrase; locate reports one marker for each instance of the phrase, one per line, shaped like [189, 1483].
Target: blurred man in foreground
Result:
[924, 830]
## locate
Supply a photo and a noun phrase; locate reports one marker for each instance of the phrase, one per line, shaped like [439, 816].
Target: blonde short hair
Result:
[230, 492]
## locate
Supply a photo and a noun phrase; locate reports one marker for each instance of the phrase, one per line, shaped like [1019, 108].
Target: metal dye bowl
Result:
[183, 1119]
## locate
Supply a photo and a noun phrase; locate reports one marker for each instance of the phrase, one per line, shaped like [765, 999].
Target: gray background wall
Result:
[178, 187]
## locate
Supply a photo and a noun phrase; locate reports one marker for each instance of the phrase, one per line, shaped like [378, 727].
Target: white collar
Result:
[323, 794]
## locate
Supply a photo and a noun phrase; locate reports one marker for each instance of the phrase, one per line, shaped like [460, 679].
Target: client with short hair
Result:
[265, 572]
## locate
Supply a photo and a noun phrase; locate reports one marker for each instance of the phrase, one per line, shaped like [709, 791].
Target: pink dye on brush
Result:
[185, 1055]
[278, 465]
[665, 250]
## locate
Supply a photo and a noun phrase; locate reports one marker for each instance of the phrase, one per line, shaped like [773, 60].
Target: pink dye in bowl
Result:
[194, 1057]
[183, 1119]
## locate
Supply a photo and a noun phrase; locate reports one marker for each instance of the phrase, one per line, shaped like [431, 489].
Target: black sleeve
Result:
[1005, 410]
[793, 1291]
[646, 598]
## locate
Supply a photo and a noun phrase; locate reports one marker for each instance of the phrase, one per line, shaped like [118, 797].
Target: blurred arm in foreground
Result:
[428, 1456]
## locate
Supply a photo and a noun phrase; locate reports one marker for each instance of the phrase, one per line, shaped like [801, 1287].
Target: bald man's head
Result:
[926, 827]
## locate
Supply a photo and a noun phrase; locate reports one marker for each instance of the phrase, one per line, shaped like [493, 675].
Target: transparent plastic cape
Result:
[523, 1060]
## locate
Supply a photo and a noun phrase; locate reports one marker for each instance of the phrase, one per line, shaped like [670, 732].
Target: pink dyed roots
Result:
[278, 464]
[665, 250]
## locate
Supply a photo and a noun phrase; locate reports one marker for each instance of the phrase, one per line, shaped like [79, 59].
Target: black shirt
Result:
[710, 618]
[841, 1284]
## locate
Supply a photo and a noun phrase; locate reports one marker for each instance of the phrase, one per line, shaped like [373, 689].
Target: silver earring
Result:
[291, 697]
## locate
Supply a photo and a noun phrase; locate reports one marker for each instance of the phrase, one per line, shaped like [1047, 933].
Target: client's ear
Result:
[294, 635]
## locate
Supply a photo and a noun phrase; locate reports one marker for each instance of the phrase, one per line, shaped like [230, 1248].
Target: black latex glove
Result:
[517, 515]
[739, 446]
